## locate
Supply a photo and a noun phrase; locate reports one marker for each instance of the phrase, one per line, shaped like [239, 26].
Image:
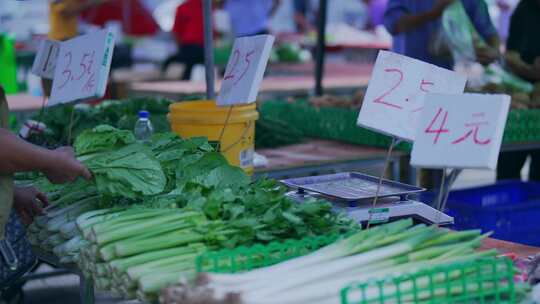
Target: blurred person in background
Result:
[305, 12]
[188, 30]
[506, 8]
[63, 17]
[376, 10]
[523, 59]
[414, 24]
[249, 17]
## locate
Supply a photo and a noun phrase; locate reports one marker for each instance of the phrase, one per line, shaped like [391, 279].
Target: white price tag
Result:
[245, 70]
[83, 67]
[396, 91]
[45, 61]
[460, 131]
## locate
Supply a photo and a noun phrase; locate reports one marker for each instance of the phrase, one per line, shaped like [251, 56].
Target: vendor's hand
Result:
[28, 203]
[65, 167]
[515, 63]
[441, 5]
[536, 68]
[486, 54]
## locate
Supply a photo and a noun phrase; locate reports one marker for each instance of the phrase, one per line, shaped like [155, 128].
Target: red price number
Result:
[386, 100]
[471, 128]
[85, 74]
[240, 66]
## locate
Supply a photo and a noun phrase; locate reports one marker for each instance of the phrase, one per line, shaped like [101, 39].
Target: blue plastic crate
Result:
[511, 209]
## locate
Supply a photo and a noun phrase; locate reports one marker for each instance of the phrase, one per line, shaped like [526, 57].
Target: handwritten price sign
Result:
[460, 131]
[245, 70]
[46, 58]
[396, 91]
[82, 68]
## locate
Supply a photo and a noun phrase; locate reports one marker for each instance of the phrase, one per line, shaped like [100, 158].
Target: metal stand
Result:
[448, 180]
[395, 142]
[86, 286]
[320, 49]
[208, 50]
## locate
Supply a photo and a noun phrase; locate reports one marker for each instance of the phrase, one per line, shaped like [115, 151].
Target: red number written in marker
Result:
[381, 100]
[236, 59]
[67, 70]
[248, 63]
[86, 64]
[441, 129]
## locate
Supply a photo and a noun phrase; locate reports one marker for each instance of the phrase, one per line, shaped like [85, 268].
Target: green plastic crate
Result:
[328, 122]
[249, 258]
[489, 280]
[523, 126]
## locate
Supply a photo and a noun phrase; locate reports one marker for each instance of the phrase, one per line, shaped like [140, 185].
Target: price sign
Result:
[460, 131]
[396, 91]
[45, 61]
[82, 68]
[245, 70]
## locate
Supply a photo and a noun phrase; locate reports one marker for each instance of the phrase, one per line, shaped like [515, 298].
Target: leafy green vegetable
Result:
[102, 138]
[131, 172]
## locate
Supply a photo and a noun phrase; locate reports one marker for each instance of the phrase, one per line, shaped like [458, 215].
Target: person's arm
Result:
[490, 53]
[512, 58]
[521, 68]
[479, 14]
[398, 21]
[28, 202]
[59, 165]
[300, 19]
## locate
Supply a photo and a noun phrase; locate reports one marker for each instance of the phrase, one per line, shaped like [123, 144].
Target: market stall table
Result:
[86, 287]
[331, 69]
[505, 247]
[316, 157]
[24, 102]
[274, 86]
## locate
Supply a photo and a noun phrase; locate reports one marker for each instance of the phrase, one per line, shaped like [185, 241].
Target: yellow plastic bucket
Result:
[205, 118]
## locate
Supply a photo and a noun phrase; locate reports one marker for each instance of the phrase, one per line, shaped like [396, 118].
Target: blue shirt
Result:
[415, 43]
[249, 17]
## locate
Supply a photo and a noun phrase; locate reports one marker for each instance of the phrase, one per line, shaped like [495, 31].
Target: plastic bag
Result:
[459, 32]
[496, 74]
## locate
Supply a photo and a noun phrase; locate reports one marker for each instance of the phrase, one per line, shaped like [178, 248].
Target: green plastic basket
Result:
[249, 258]
[489, 280]
[523, 126]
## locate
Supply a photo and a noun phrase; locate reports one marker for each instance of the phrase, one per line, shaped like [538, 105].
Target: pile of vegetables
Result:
[352, 103]
[520, 98]
[152, 208]
[381, 252]
[273, 133]
[120, 114]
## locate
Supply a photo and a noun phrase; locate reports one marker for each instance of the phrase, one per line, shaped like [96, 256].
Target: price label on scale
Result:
[82, 68]
[245, 70]
[396, 91]
[460, 131]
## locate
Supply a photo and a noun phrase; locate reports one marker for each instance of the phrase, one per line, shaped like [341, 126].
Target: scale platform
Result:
[353, 193]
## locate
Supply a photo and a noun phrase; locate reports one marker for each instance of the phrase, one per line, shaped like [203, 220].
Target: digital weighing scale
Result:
[353, 193]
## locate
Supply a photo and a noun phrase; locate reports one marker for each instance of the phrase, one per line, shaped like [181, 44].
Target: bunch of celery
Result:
[142, 249]
[389, 250]
[55, 231]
